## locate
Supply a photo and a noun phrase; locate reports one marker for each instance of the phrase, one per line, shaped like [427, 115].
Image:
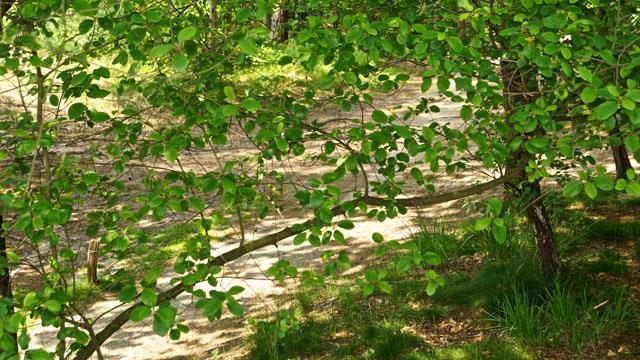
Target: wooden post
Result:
[92, 261]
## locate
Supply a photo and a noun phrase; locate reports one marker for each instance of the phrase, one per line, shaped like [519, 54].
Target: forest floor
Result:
[495, 303]
[262, 295]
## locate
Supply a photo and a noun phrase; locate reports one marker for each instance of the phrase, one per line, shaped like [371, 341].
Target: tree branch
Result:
[122, 318]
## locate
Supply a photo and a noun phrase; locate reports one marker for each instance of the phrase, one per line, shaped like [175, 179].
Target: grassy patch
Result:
[564, 316]
[486, 349]
[607, 261]
[501, 294]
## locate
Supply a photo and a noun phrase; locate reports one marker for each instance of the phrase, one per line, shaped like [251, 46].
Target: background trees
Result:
[114, 99]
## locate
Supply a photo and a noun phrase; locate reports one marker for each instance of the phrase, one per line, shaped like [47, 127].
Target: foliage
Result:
[540, 87]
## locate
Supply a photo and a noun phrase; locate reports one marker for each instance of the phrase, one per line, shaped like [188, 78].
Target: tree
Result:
[540, 86]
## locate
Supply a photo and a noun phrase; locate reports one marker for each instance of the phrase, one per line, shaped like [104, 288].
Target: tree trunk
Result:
[279, 28]
[519, 88]
[621, 159]
[620, 155]
[92, 261]
[542, 231]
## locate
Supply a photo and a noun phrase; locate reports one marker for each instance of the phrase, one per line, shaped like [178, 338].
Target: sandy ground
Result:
[263, 295]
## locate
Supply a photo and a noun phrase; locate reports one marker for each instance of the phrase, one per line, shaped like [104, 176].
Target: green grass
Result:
[608, 261]
[492, 280]
[522, 313]
[565, 315]
[486, 349]
[386, 340]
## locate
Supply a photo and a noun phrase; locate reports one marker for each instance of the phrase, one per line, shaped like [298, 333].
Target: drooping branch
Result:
[272, 239]
[453, 195]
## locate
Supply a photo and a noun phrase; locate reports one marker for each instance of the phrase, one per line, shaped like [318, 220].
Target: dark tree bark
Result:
[542, 231]
[620, 154]
[621, 159]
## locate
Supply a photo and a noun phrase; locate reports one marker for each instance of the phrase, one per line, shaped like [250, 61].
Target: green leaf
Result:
[170, 154]
[229, 110]
[180, 62]
[605, 110]
[304, 35]
[588, 95]
[229, 92]
[148, 297]
[466, 113]
[30, 299]
[455, 44]
[431, 288]
[572, 189]
[248, 47]
[235, 290]
[81, 5]
[299, 239]
[367, 289]
[235, 308]
[443, 84]
[539, 142]
[53, 305]
[251, 105]
[29, 10]
[159, 51]
[346, 224]
[585, 73]
[631, 174]
[482, 223]
[555, 21]
[527, 3]
[634, 94]
[127, 293]
[85, 26]
[196, 204]
[465, 4]
[499, 233]
[591, 190]
[385, 287]
[187, 33]
[379, 116]
[166, 313]
[432, 258]
[377, 237]
[140, 313]
[633, 189]
[404, 264]
[76, 110]
[160, 327]
[38, 354]
[316, 199]
[603, 182]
